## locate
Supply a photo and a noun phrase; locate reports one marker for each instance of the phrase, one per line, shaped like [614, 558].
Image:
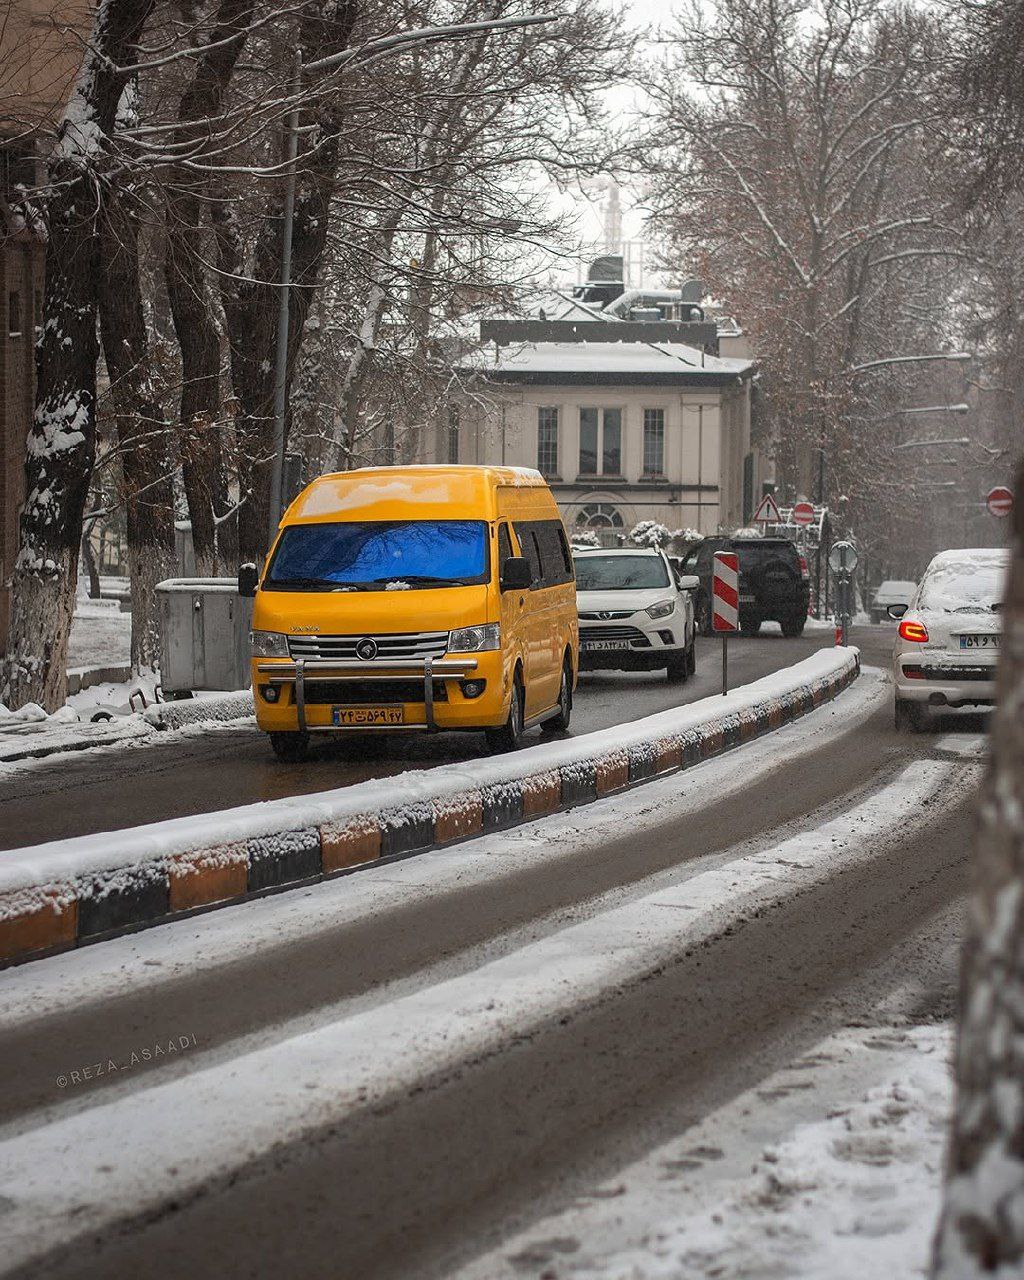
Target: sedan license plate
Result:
[979, 642]
[587, 645]
[366, 717]
[746, 599]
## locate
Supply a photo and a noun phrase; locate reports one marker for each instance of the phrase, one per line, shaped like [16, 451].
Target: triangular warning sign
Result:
[768, 511]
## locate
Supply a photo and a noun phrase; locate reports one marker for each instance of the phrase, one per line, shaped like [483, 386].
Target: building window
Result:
[588, 442]
[654, 442]
[599, 515]
[611, 451]
[14, 314]
[453, 435]
[600, 437]
[547, 441]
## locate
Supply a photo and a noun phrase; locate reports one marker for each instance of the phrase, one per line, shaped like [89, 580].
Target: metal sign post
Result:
[725, 604]
[842, 560]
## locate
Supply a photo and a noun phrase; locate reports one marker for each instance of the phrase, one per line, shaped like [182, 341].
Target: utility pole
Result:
[284, 301]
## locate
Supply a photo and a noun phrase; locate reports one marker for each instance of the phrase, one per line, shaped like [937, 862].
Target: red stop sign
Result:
[1000, 501]
[803, 513]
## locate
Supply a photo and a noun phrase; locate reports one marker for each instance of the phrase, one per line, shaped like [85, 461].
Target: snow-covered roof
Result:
[607, 362]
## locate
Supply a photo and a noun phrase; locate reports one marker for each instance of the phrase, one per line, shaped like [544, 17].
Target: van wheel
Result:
[750, 623]
[291, 748]
[560, 723]
[691, 658]
[510, 736]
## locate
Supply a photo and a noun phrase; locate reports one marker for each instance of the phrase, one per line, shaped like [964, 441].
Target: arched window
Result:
[599, 515]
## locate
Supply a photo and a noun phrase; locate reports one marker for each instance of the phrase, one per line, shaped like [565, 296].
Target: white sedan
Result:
[635, 614]
[947, 645]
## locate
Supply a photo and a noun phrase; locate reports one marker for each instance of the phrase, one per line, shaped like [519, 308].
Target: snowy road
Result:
[390, 1075]
[124, 786]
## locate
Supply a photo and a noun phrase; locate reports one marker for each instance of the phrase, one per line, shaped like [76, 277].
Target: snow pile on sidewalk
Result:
[854, 1194]
[847, 1187]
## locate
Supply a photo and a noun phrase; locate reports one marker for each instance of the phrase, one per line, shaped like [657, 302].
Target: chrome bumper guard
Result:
[295, 673]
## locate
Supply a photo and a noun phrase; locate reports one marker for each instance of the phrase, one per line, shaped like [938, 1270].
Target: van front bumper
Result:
[293, 680]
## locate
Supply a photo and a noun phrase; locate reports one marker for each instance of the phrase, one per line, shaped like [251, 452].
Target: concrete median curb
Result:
[55, 897]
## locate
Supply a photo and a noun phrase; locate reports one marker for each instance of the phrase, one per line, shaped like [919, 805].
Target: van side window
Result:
[505, 551]
[524, 532]
[545, 544]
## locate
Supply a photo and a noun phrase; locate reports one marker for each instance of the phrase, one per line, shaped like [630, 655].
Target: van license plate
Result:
[366, 717]
[587, 645]
[979, 642]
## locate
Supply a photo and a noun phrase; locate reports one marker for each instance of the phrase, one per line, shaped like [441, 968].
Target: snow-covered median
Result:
[124, 878]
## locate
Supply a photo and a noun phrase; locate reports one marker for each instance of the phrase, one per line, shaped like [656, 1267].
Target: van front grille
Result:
[394, 648]
[359, 693]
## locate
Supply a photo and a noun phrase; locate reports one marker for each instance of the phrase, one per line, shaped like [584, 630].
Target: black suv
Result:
[773, 585]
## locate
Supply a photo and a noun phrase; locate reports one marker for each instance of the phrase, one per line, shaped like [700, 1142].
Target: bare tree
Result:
[981, 1230]
[61, 444]
[795, 180]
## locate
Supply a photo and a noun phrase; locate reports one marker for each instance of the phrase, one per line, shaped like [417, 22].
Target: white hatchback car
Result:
[635, 614]
[947, 645]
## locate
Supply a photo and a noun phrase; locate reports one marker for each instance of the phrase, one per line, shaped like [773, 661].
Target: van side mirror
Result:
[897, 610]
[516, 574]
[689, 582]
[248, 580]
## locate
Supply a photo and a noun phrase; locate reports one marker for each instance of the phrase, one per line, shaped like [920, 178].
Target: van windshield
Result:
[397, 555]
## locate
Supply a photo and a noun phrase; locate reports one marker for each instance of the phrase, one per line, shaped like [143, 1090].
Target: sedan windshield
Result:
[964, 586]
[379, 556]
[620, 573]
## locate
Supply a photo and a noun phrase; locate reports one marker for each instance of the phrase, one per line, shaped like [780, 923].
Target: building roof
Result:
[609, 364]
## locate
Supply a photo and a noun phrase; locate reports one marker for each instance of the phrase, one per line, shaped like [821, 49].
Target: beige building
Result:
[625, 431]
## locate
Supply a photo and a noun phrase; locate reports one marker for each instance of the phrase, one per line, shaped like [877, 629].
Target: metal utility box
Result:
[204, 634]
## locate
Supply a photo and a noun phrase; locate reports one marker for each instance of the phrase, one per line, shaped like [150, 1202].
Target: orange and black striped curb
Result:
[37, 921]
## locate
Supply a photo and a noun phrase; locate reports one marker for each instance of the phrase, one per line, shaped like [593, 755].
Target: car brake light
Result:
[803, 567]
[916, 632]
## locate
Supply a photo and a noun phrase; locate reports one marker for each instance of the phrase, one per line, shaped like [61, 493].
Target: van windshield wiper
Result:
[312, 584]
[421, 579]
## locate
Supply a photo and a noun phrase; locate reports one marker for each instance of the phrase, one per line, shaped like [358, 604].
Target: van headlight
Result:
[475, 639]
[268, 644]
[662, 609]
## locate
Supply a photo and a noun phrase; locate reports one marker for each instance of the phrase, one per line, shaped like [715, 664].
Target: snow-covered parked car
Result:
[635, 614]
[892, 591]
[947, 645]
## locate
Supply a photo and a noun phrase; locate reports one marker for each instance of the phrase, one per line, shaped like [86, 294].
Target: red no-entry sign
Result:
[1000, 501]
[803, 513]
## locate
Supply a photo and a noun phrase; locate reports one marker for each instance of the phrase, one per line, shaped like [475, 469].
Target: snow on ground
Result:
[241, 1109]
[108, 851]
[154, 957]
[829, 1168]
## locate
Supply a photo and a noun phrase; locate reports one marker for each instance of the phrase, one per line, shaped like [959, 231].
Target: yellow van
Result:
[416, 598]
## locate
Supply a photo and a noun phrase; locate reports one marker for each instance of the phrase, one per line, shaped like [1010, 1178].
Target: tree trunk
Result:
[89, 559]
[62, 441]
[191, 302]
[142, 431]
[981, 1230]
[250, 306]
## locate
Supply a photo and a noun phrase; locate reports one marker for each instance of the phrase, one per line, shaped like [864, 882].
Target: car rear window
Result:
[754, 554]
[968, 586]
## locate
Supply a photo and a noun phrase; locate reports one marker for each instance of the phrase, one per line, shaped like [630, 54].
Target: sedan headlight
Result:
[268, 644]
[662, 609]
[475, 639]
